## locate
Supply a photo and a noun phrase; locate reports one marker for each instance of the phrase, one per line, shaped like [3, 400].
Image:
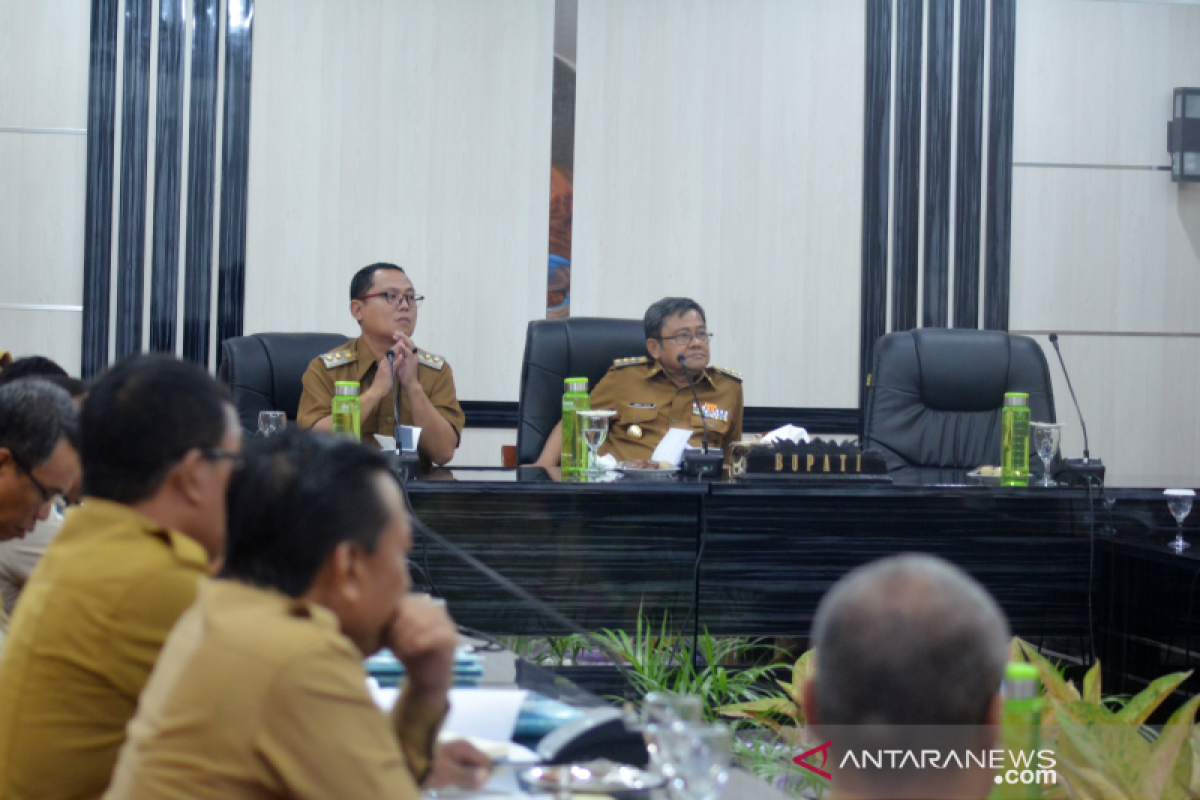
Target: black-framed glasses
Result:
[56, 499]
[216, 454]
[395, 298]
[684, 338]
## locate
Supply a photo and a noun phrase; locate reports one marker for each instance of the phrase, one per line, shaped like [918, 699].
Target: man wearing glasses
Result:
[39, 461]
[651, 394]
[384, 303]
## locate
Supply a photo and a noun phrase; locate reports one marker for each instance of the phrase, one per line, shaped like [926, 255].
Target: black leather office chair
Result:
[264, 371]
[557, 349]
[936, 394]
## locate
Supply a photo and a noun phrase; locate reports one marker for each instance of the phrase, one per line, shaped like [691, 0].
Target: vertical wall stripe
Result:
[876, 169]
[131, 225]
[970, 162]
[97, 247]
[938, 86]
[907, 192]
[1000, 141]
[168, 157]
[202, 148]
[235, 159]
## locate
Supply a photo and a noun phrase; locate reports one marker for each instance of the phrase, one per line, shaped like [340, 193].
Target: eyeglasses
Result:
[56, 499]
[395, 298]
[684, 338]
[216, 454]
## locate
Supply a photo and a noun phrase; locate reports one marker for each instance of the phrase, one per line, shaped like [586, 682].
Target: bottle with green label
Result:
[1014, 444]
[575, 399]
[347, 409]
[1020, 735]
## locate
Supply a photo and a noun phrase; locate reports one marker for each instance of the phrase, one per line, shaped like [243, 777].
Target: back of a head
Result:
[35, 415]
[142, 416]
[30, 366]
[908, 640]
[295, 499]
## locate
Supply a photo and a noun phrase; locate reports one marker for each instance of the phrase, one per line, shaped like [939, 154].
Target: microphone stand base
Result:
[702, 465]
[404, 463]
[1077, 472]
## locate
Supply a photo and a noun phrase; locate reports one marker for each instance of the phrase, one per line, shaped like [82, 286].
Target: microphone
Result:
[1077, 471]
[699, 465]
[406, 460]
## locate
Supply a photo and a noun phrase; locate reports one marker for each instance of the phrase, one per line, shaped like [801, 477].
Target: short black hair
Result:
[657, 314]
[945, 652]
[142, 416]
[35, 416]
[30, 366]
[74, 386]
[295, 498]
[362, 281]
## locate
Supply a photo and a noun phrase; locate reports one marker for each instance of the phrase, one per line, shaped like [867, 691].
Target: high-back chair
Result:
[264, 371]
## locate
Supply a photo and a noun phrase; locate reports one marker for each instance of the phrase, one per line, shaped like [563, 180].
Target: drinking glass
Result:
[1046, 436]
[271, 422]
[660, 710]
[700, 757]
[1180, 503]
[593, 426]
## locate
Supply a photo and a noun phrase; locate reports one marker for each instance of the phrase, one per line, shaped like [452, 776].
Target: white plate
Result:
[646, 472]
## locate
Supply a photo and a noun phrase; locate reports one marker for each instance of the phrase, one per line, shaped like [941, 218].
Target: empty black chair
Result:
[557, 349]
[264, 371]
[936, 394]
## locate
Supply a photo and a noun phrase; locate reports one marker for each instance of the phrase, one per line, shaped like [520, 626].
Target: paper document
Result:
[671, 447]
[489, 714]
[410, 438]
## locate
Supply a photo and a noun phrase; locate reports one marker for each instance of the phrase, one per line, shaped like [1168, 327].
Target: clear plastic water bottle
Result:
[1014, 444]
[574, 450]
[347, 409]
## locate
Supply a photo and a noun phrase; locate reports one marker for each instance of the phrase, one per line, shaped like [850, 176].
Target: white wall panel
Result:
[1104, 250]
[1138, 396]
[54, 334]
[1094, 80]
[719, 156]
[44, 63]
[416, 132]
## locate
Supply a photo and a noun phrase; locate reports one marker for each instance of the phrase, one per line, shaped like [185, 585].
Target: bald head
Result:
[909, 640]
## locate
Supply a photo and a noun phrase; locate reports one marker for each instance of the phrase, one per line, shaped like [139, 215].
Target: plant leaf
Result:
[1091, 684]
[1055, 686]
[1014, 650]
[758, 708]
[1117, 752]
[1164, 776]
[1142, 705]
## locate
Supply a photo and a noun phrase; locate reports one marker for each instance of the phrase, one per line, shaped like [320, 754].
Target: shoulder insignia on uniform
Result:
[430, 360]
[629, 362]
[737, 376]
[339, 358]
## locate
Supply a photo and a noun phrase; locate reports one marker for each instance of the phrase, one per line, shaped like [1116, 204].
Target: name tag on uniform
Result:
[712, 412]
[643, 405]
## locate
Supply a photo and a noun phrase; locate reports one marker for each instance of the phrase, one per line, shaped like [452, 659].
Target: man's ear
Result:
[808, 702]
[356, 310]
[991, 721]
[185, 476]
[654, 348]
[346, 564]
[6, 457]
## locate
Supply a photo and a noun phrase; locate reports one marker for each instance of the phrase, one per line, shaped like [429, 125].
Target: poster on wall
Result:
[562, 161]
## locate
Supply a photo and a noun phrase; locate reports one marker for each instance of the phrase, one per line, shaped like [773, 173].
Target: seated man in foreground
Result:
[904, 642]
[260, 690]
[651, 394]
[158, 438]
[384, 303]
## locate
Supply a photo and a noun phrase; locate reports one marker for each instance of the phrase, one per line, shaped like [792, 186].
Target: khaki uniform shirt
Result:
[83, 640]
[354, 361]
[257, 695]
[648, 404]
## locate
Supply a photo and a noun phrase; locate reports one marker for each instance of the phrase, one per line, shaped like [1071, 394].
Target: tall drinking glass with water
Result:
[1179, 501]
[1046, 436]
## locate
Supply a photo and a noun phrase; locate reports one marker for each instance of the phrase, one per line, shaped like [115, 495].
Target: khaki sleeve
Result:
[444, 397]
[416, 728]
[734, 434]
[316, 402]
[322, 736]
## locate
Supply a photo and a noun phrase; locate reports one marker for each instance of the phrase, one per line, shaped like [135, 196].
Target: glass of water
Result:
[1180, 503]
[271, 422]
[700, 757]
[593, 425]
[660, 710]
[1046, 436]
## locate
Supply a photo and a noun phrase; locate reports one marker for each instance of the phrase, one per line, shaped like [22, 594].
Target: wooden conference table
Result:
[754, 558]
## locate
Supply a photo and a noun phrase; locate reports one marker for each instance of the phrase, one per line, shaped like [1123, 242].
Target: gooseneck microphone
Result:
[682, 359]
[1087, 456]
[391, 357]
